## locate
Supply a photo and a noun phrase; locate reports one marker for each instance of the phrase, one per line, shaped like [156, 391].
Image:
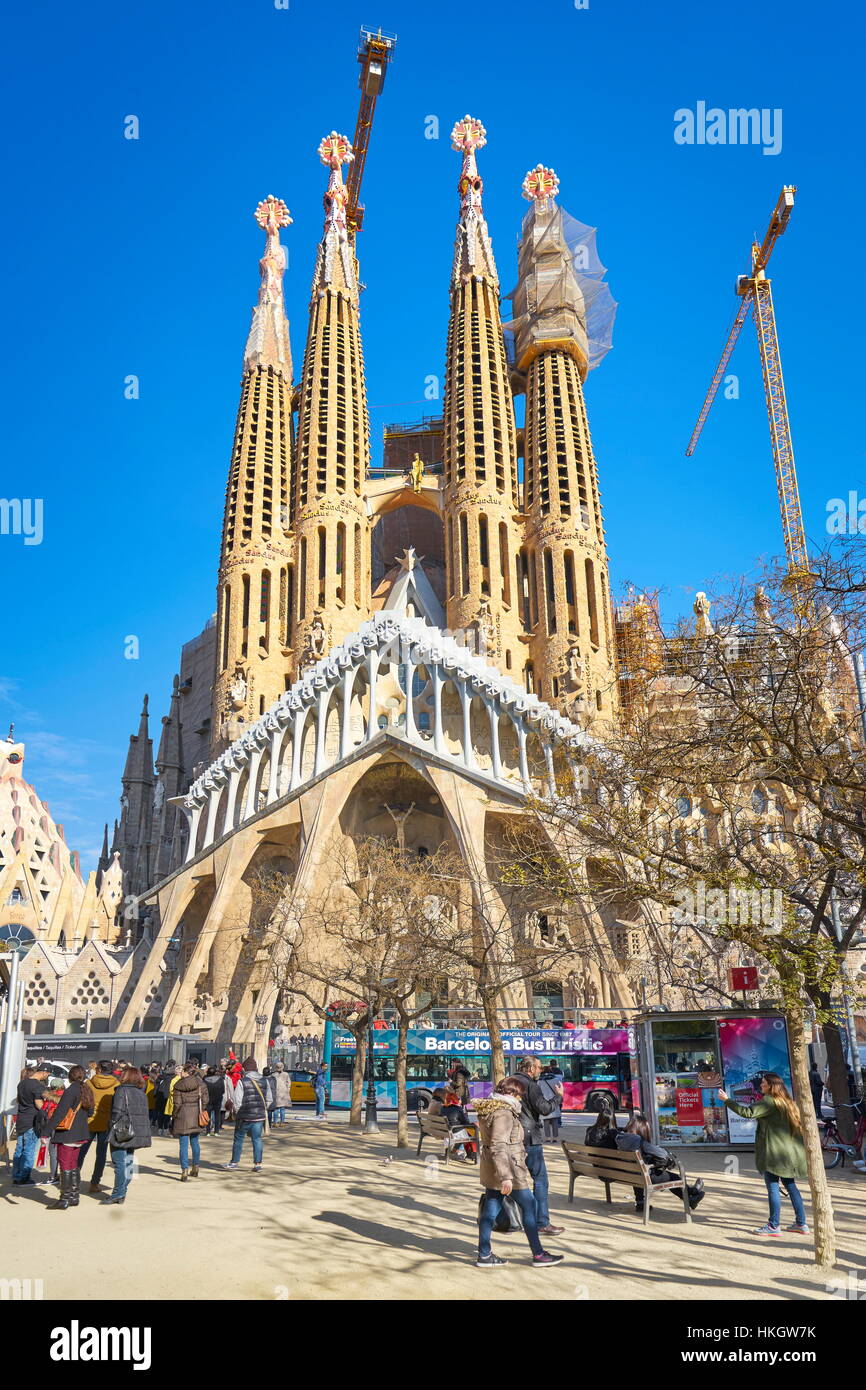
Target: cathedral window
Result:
[323, 561]
[340, 559]
[592, 602]
[245, 620]
[549, 592]
[529, 678]
[302, 584]
[570, 595]
[464, 554]
[504, 564]
[227, 614]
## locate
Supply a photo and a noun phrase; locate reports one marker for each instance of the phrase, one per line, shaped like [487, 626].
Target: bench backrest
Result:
[435, 1125]
[615, 1165]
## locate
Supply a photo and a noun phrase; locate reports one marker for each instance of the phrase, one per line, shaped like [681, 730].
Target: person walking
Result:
[215, 1081]
[128, 1130]
[282, 1093]
[320, 1084]
[816, 1086]
[190, 1101]
[251, 1115]
[103, 1084]
[67, 1129]
[535, 1108]
[637, 1137]
[779, 1151]
[550, 1084]
[31, 1100]
[503, 1173]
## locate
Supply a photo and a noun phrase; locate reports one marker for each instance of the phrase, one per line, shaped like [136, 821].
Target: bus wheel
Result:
[599, 1101]
[418, 1098]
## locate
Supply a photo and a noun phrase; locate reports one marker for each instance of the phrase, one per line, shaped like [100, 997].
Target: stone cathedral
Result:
[421, 635]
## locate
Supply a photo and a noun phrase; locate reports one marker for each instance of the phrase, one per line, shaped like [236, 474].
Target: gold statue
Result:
[416, 471]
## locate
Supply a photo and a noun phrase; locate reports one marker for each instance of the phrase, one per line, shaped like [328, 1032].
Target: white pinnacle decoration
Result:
[468, 134]
[540, 184]
[272, 213]
[335, 150]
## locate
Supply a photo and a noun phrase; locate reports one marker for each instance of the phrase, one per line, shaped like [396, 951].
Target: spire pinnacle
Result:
[268, 341]
[335, 265]
[540, 185]
[473, 253]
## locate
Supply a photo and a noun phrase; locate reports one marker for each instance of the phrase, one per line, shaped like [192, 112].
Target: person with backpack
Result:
[536, 1108]
[128, 1130]
[550, 1084]
[251, 1114]
[163, 1091]
[503, 1173]
[779, 1151]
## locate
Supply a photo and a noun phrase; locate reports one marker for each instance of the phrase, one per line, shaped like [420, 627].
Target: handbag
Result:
[122, 1130]
[67, 1121]
[509, 1218]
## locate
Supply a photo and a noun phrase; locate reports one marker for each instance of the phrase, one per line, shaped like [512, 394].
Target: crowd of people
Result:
[115, 1108]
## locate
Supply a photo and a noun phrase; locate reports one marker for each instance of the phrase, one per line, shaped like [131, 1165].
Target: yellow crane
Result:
[375, 51]
[757, 298]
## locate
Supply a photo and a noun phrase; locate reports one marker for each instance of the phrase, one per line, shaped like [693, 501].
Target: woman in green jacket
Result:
[779, 1151]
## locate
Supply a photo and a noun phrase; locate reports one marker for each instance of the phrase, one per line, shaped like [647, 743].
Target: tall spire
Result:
[268, 343]
[335, 261]
[479, 446]
[329, 515]
[473, 250]
[566, 598]
[255, 577]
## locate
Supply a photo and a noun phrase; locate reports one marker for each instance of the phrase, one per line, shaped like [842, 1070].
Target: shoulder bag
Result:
[122, 1130]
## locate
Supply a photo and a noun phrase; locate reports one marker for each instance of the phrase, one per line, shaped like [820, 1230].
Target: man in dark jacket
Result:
[31, 1093]
[251, 1112]
[534, 1107]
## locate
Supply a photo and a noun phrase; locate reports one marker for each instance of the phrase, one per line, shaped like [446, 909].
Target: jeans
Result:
[490, 1209]
[254, 1129]
[775, 1195]
[187, 1142]
[99, 1162]
[123, 1160]
[25, 1155]
[216, 1118]
[540, 1182]
[277, 1116]
[320, 1102]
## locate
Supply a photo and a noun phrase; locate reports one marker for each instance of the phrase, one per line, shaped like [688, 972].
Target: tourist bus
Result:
[599, 1065]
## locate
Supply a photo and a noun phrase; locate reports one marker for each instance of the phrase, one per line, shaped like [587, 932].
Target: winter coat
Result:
[534, 1109]
[103, 1087]
[502, 1152]
[778, 1149]
[282, 1089]
[216, 1091]
[190, 1097]
[656, 1158]
[600, 1139]
[78, 1133]
[249, 1098]
[269, 1089]
[130, 1101]
[459, 1078]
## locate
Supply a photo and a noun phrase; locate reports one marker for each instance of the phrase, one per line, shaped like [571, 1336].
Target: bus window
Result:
[479, 1068]
[341, 1066]
[595, 1068]
[432, 1069]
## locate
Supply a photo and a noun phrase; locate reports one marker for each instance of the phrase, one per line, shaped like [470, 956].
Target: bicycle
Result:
[834, 1151]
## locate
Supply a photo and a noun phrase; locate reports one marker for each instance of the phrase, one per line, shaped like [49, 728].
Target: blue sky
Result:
[141, 257]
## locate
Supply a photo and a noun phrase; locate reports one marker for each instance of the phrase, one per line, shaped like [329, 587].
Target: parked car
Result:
[302, 1086]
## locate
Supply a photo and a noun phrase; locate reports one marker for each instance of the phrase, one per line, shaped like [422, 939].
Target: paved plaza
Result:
[329, 1218]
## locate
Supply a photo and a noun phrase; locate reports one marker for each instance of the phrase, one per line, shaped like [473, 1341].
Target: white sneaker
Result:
[231, 1165]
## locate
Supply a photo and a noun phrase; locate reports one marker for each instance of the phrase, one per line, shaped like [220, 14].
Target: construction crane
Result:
[756, 296]
[375, 51]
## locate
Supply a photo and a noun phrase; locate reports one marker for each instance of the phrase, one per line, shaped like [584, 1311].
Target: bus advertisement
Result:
[599, 1065]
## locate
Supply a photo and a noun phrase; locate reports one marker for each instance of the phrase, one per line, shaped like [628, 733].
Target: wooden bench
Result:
[437, 1127]
[624, 1166]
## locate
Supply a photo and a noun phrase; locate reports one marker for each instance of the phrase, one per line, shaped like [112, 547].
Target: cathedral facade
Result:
[424, 636]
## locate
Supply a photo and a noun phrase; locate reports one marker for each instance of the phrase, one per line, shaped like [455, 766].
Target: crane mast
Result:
[375, 51]
[757, 299]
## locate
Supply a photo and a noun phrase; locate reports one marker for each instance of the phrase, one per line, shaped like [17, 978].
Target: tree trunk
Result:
[837, 1072]
[358, 1068]
[402, 1112]
[497, 1052]
[822, 1206]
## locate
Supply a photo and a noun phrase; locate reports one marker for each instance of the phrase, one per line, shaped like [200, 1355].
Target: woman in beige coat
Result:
[504, 1173]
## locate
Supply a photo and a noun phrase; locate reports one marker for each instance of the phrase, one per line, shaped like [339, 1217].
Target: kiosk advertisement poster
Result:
[748, 1047]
